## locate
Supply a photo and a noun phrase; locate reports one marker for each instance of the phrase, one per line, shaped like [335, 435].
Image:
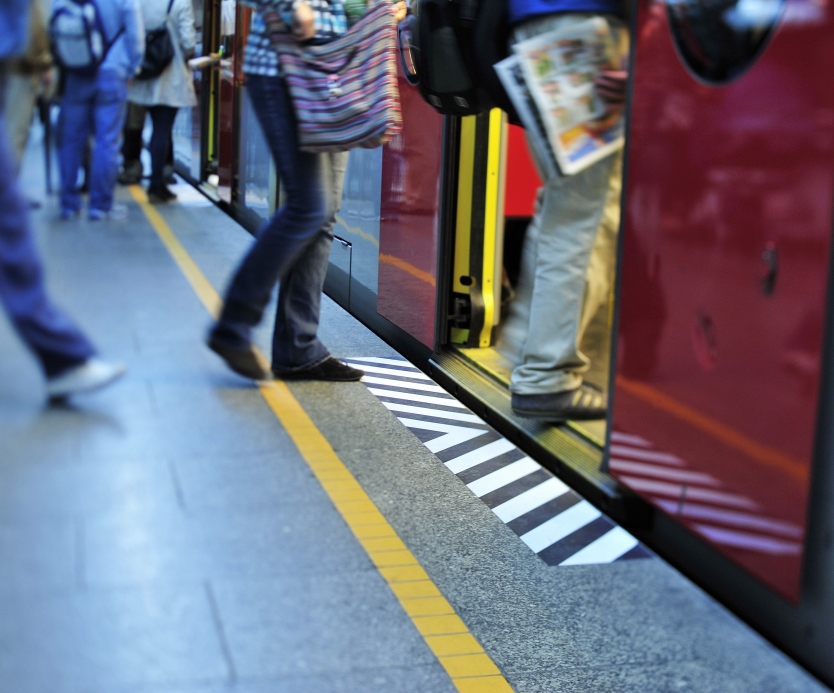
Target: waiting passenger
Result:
[567, 245]
[66, 355]
[294, 246]
[171, 90]
[95, 98]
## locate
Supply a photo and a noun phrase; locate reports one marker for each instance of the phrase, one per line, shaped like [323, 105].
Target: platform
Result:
[189, 532]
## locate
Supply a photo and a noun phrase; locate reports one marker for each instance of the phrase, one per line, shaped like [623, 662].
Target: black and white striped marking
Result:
[556, 523]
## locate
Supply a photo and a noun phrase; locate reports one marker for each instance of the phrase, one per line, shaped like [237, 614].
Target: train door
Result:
[724, 272]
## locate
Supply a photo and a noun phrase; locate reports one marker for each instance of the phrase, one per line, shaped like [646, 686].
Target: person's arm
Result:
[134, 33]
[186, 28]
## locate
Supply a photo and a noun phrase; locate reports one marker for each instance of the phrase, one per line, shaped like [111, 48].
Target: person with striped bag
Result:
[293, 248]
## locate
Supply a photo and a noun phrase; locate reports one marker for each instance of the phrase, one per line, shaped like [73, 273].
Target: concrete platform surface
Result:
[166, 535]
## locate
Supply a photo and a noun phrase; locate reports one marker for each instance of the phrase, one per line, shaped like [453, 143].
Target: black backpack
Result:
[159, 50]
[452, 47]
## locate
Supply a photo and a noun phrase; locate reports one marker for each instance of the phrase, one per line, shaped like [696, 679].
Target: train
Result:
[715, 344]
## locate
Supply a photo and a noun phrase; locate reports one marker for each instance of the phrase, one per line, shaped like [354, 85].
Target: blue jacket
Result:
[526, 9]
[126, 54]
[14, 26]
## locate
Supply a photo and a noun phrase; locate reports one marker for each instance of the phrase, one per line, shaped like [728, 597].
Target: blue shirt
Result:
[126, 54]
[521, 10]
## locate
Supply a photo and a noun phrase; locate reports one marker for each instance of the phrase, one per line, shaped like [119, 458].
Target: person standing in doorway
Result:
[95, 98]
[68, 358]
[171, 90]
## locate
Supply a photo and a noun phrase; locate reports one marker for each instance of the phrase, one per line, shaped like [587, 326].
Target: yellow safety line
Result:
[716, 429]
[394, 261]
[458, 651]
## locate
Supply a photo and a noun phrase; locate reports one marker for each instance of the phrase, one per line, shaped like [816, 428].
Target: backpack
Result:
[453, 46]
[77, 35]
[159, 49]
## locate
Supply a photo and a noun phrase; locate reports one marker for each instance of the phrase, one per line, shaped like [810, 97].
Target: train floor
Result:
[187, 531]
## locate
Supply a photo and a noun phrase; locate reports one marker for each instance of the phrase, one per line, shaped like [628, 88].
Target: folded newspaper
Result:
[550, 80]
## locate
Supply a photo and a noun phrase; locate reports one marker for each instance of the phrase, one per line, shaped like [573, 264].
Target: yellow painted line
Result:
[716, 429]
[422, 275]
[364, 235]
[458, 651]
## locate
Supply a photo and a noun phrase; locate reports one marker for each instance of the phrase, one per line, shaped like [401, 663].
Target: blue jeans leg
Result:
[295, 342]
[163, 118]
[58, 343]
[110, 105]
[291, 229]
[76, 124]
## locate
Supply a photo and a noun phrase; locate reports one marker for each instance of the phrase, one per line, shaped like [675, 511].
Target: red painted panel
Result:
[523, 179]
[409, 214]
[717, 381]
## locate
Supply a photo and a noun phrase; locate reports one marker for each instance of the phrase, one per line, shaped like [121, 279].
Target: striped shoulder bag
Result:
[345, 91]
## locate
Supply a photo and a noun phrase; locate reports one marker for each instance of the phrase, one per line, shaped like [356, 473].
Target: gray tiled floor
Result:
[165, 536]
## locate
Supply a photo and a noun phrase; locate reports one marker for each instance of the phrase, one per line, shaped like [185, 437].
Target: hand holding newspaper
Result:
[550, 80]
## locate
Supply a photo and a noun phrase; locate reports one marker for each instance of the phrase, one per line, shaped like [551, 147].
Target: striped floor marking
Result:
[698, 499]
[458, 651]
[553, 521]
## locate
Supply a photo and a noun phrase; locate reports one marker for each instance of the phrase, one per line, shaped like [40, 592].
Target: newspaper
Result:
[559, 69]
[511, 76]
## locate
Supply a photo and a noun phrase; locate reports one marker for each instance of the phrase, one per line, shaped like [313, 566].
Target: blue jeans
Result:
[92, 104]
[293, 247]
[57, 343]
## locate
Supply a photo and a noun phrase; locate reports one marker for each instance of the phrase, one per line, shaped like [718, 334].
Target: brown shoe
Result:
[331, 370]
[242, 360]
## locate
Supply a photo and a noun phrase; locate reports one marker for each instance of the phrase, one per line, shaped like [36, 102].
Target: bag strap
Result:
[168, 12]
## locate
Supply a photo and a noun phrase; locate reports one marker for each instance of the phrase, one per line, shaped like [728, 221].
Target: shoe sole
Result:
[101, 384]
[239, 360]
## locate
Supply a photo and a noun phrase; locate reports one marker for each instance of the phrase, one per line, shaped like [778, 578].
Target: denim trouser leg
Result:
[58, 343]
[295, 342]
[108, 115]
[76, 124]
[556, 297]
[291, 229]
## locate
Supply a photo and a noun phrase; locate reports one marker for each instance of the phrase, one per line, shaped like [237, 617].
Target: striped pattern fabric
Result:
[345, 91]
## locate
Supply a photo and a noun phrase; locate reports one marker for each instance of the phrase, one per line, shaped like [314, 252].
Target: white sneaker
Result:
[117, 212]
[93, 374]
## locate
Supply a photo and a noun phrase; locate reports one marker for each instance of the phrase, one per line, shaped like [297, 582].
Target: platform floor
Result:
[169, 536]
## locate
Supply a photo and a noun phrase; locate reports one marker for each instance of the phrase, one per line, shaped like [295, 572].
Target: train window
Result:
[719, 39]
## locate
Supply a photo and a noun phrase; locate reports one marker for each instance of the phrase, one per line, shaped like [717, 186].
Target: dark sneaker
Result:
[583, 403]
[161, 195]
[331, 370]
[242, 360]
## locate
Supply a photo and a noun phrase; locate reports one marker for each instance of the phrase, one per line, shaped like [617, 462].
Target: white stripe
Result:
[608, 548]
[530, 499]
[487, 452]
[418, 375]
[402, 385]
[663, 472]
[455, 435]
[556, 528]
[648, 455]
[731, 517]
[751, 542]
[414, 397]
[377, 359]
[436, 413]
[698, 494]
[629, 440]
[502, 477]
